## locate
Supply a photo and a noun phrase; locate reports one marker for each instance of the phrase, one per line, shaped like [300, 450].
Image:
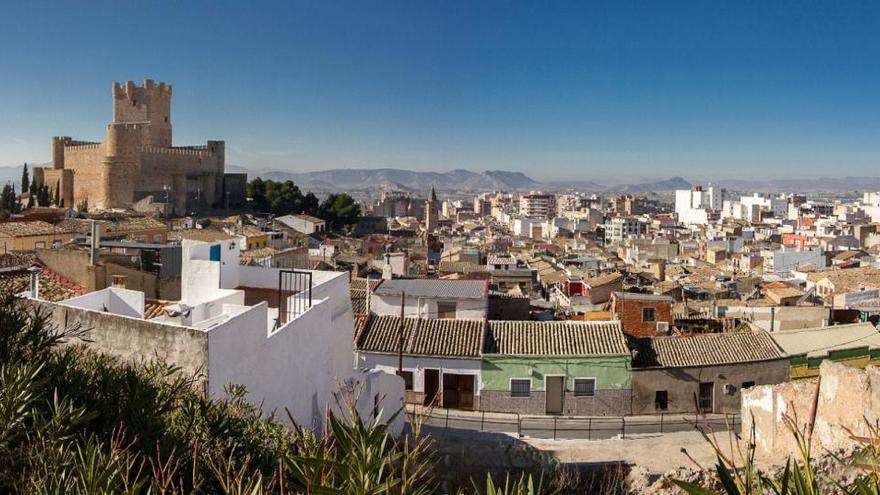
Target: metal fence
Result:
[574, 427]
[294, 294]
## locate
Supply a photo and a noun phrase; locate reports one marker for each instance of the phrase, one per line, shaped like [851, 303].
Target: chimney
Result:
[35, 282]
[95, 243]
[119, 281]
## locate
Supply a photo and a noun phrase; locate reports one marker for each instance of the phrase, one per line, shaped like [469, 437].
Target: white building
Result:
[304, 224]
[693, 205]
[431, 298]
[620, 228]
[284, 335]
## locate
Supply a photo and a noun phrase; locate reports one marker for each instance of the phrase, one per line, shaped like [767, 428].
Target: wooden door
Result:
[555, 388]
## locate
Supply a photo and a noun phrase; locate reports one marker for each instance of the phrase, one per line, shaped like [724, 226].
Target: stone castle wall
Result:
[136, 158]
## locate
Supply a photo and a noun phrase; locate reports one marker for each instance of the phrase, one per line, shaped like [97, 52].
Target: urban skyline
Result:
[573, 90]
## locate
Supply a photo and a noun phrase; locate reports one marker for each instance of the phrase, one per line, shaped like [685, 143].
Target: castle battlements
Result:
[130, 90]
[137, 158]
[203, 152]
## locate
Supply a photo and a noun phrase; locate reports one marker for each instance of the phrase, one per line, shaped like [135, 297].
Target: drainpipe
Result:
[35, 282]
[93, 246]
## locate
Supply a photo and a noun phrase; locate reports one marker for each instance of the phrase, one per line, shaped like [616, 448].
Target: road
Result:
[567, 427]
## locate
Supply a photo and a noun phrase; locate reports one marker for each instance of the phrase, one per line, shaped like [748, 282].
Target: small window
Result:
[40, 244]
[746, 385]
[584, 387]
[520, 387]
[648, 314]
[661, 400]
[407, 379]
[446, 310]
[157, 238]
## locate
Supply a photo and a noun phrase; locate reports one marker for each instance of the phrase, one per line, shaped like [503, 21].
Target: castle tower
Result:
[120, 166]
[431, 211]
[148, 104]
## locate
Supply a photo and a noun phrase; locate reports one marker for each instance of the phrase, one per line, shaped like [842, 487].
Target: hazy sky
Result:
[586, 90]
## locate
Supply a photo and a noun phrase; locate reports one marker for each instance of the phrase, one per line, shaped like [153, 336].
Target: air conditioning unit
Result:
[663, 327]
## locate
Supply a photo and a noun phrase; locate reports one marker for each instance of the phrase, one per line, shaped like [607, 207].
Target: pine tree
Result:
[25, 179]
[57, 200]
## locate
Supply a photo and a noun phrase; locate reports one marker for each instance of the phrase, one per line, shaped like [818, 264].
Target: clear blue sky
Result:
[586, 90]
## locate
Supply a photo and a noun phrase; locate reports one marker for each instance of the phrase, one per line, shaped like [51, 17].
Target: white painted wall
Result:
[465, 309]
[418, 365]
[113, 300]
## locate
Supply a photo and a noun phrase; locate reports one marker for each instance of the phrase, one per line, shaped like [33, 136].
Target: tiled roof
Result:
[555, 338]
[359, 301]
[605, 278]
[704, 350]
[460, 267]
[446, 338]
[452, 289]
[52, 286]
[500, 260]
[35, 227]
[362, 283]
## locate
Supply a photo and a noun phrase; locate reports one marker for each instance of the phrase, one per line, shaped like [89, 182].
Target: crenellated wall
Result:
[136, 158]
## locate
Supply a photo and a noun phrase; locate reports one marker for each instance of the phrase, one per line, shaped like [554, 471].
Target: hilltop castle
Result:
[136, 160]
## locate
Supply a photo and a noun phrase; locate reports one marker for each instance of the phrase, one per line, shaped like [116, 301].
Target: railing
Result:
[572, 427]
[294, 294]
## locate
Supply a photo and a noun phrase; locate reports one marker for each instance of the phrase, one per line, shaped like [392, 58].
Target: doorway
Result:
[432, 387]
[555, 388]
[458, 391]
[705, 402]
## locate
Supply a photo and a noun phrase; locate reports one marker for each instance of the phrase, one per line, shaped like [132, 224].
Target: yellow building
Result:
[856, 345]
[27, 236]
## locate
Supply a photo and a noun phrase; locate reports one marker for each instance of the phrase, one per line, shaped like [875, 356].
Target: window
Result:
[661, 400]
[446, 310]
[157, 238]
[40, 244]
[746, 385]
[407, 379]
[584, 387]
[648, 314]
[520, 387]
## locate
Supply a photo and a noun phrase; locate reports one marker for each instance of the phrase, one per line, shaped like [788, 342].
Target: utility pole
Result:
[400, 335]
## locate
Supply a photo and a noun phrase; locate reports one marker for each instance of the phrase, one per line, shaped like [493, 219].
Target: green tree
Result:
[340, 210]
[25, 179]
[284, 198]
[310, 204]
[57, 200]
[256, 191]
[43, 196]
[7, 199]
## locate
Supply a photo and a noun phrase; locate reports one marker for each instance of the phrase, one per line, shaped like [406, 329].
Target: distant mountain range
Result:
[453, 181]
[335, 180]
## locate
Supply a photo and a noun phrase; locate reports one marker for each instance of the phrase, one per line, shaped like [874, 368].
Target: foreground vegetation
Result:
[75, 422]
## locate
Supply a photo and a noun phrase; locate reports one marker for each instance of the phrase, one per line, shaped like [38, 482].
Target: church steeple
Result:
[432, 212]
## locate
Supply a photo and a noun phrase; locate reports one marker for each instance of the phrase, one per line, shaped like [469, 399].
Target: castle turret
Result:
[148, 104]
[119, 169]
[58, 143]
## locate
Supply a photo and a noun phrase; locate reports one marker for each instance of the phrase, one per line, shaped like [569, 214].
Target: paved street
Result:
[567, 427]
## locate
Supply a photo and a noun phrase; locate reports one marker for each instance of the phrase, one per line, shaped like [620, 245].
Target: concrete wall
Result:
[135, 340]
[848, 401]
[603, 403]
[682, 385]
[773, 319]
